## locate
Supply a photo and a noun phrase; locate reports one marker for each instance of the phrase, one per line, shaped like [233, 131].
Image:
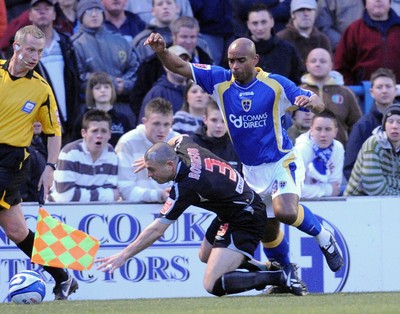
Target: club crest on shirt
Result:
[28, 107]
[246, 104]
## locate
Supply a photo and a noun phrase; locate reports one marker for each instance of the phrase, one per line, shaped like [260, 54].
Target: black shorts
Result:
[14, 167]
[242, 234]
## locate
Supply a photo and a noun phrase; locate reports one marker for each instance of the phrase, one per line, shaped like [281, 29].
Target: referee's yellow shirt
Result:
[23, 101]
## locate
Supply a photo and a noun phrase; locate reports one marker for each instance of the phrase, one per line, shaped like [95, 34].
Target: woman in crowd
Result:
[190, 117]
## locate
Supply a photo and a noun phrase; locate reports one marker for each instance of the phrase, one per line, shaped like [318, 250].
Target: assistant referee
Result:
[25, 97]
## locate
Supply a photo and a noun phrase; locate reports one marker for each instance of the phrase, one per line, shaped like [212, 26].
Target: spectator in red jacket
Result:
[3, 17]
[370, 43]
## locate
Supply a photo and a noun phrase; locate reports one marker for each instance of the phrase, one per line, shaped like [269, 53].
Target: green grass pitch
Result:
[338, 303]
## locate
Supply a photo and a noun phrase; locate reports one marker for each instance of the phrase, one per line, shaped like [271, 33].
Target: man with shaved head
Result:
[202, 179]
[253, 102]
[329, 84]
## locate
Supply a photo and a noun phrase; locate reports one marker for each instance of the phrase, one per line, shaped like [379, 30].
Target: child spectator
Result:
[88, 168]
[377, 168]
[100, 94]
[322, 155]
[213, 135]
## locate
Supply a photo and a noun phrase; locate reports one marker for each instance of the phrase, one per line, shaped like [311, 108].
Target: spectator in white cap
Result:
[301, 31]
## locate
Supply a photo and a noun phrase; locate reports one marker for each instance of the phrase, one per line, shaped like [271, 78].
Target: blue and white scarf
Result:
[318, 169]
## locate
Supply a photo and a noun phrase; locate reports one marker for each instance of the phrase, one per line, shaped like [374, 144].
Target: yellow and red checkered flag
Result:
[59, 245]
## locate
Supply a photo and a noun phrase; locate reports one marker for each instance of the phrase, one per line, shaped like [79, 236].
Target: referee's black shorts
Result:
[14, 167]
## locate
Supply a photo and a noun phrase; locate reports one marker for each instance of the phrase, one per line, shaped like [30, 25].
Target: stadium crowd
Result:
[94, 59]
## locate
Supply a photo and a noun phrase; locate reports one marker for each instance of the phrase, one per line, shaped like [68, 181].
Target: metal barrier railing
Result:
[362, 91]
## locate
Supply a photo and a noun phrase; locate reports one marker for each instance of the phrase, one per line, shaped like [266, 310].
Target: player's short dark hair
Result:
[95, 115]
[325, 114]
[158, 105]
[383, 72]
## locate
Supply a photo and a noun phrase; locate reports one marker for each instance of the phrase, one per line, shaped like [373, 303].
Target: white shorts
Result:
[281, 177]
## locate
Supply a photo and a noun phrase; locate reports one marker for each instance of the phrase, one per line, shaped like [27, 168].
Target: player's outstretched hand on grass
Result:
[111, 263]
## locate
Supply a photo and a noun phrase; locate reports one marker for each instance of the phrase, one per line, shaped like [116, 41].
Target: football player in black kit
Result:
[204, 180]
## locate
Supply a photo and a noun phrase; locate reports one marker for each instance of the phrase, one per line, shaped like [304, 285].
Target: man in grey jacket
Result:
[98, 49]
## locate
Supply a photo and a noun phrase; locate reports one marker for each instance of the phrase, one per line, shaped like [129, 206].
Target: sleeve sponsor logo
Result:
[202, 66]
[169, 203]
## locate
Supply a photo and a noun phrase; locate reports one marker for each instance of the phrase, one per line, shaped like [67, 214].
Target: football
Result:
[27, 287]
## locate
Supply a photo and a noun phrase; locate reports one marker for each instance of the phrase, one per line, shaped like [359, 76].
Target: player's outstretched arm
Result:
[171, 61]
[149, 235]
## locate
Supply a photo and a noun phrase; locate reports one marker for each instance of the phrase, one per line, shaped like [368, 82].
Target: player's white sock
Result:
[323, 238]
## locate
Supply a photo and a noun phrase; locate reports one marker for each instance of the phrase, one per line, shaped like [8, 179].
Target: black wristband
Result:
[54, 166]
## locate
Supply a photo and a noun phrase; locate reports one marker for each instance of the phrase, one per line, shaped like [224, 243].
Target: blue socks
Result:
[278, 250]
[307, 222]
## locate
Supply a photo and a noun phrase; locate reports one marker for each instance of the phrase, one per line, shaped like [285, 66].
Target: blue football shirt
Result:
[253, 112]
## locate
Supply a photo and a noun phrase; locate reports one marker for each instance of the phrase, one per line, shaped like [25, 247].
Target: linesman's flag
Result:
[59, 245]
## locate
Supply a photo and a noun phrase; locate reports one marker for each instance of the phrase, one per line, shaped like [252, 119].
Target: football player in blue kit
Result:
[252, 102]
[202, 179]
